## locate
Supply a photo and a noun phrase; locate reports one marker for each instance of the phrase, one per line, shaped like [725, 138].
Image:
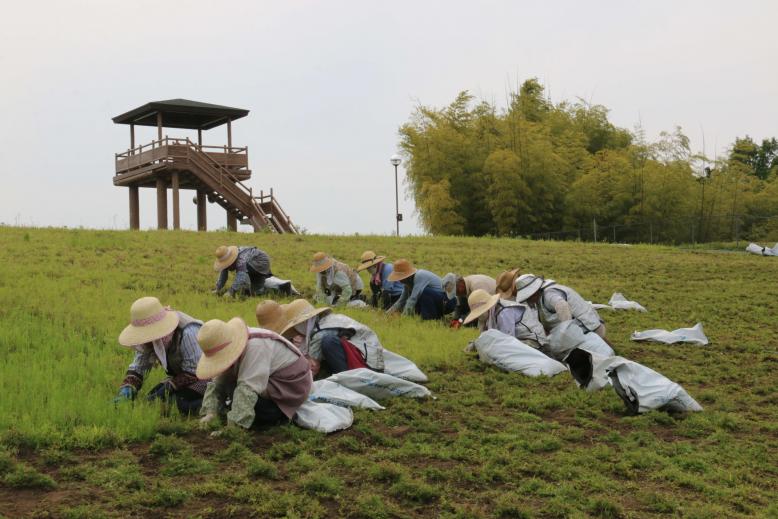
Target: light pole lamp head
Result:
[395, 160]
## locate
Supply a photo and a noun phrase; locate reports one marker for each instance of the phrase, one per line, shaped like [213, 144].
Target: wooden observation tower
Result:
[216, 173]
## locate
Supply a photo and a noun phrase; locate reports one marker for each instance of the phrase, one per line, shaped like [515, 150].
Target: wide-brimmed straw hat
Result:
[149, 321]
[222, 343]
[225, 256]
[368, 259]
[527, 285]
[321, 262]
[506, 282]
[299, 311]
[270, 316]
[480, 302]
[402, 269]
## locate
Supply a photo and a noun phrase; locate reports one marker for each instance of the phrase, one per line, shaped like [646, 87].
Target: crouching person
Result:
[422, 294]
[509, 317]
[265, 377]
[556, 304]
[161, 335]
[251, 267]
[335, 340]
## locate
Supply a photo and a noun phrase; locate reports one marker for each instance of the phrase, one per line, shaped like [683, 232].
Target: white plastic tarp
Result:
[569, 335]
[753, 248]
[333, 393]
[323, 417]
[619, 302]
[281, 285]
[641, 388]
[693, 335]
[379, 385]
[399, 366]
[510, 354]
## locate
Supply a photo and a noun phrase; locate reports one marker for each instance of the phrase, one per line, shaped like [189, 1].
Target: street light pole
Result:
[396, 160]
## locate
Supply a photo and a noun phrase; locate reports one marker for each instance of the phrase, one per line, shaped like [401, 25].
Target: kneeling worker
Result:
[265, 377]
[251, 266]
[385, 292]
[161, 335]
[556, 304]
[422, 292]
[460, 287]
[509, 317]
[336, 282]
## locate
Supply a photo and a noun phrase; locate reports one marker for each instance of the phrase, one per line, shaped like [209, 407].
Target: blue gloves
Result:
[125, 393]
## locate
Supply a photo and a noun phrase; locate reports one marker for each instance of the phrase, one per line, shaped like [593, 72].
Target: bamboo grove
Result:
[541, 169]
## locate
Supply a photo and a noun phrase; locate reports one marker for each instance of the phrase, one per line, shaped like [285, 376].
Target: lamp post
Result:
[396, 160]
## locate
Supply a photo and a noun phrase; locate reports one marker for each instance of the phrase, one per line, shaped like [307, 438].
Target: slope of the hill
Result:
[491, 445]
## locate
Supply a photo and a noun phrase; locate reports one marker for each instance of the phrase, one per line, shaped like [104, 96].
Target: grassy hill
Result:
[492, 444]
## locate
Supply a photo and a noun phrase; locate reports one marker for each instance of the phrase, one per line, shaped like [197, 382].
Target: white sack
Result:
[324, 418]
[331, 392]
[569, 335]
[356, 303]
[694, 335]
[401, 367]
[619, 302]
[510, 354]
[753, 248]
[641, 388]
[379, 385]
[281, 285]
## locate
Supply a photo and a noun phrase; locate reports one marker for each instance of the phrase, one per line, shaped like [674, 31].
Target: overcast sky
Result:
[328, 84]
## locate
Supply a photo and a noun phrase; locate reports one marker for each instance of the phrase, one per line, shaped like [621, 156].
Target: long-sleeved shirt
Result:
[411, 292]
[178, 359]
[247, 380]
[247, 256]
[395, 288]
[517, 320]
[341, 283]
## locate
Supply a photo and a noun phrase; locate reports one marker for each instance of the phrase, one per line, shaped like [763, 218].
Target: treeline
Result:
[536, 167]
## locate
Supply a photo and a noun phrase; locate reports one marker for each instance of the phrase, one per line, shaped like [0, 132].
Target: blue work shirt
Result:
[422, 279]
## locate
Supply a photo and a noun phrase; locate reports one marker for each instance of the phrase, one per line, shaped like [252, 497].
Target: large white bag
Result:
[753, 248]
[569, 335]
[281, 285]
[694, 335]
[379, 385]
[324, 418]
[619, 302]
[641, 388]
[333, 393]
[510, 354]
[401, 367]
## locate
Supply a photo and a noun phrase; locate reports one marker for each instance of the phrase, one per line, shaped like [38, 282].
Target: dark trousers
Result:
[433, 304]
[187, 401]
[257, 281]
[333, 354]
[267, 412]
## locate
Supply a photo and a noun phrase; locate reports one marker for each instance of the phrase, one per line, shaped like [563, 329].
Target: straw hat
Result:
[222, 343]
[402, 269]
[449, 284]
[506, 282]
[299, 311]
[527, 284]
[270, 315]
[225, 256]
[149, 321]
[369, 259]
[480, 302]
[321, 262]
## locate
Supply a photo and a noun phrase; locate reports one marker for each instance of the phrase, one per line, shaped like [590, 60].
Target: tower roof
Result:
[181, 113]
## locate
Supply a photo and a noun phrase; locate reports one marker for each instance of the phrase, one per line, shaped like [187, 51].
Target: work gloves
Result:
[126, 393]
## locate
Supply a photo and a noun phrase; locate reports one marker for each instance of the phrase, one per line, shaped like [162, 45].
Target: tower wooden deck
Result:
[216, 173]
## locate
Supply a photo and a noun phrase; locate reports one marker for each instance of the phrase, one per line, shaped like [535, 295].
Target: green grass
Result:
[492, 444]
